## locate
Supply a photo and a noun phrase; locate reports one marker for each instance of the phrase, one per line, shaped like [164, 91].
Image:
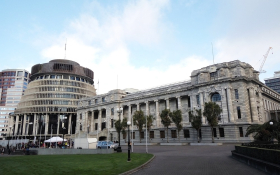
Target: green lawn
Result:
[115, 163]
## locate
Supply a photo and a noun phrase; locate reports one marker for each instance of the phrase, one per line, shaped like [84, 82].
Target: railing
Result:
[262, 145]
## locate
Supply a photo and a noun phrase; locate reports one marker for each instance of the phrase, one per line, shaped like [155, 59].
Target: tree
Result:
[165, 119]
[124, 126]
[212, 111]
[195, 118]
[264, 132]
[176, 117]
[139, 120]
[150, 120]
[118, 126]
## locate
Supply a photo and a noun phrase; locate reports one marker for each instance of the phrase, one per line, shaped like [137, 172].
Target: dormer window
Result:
[213, 75]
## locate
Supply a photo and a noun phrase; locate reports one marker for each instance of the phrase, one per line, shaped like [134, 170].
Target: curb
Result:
[137, 168]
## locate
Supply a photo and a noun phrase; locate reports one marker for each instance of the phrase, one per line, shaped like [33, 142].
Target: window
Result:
[59, 76]
[222, 132]
[96, 126]
[89, 102]
[197, 99]
[173, 134]
[72, 78]
[81, 116]
[214, 132]
[25, 74]
[213, 75]
[41, 77]
[133, 135]
[83, 80]
[186, 133]
[152, 134]
[112, 111]
[142, 135]
[103, 99]
[81, 127]
[162, 134]
[112, 123]
[238, 111]
[216, 97]
[124, 135]
[20, 73]
[236, 93]
[78, 78]
[52, 77]
[241, 132]
[96, 101]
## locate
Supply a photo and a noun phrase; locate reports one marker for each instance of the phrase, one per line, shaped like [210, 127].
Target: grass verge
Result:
[115, 163]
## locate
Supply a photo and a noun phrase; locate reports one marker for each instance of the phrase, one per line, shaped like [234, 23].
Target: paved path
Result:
[193, 160]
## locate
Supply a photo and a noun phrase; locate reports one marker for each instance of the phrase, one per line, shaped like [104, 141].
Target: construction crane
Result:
[264, 59]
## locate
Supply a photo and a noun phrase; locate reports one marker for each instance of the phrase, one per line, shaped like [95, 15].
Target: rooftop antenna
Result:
[65, 49]
[212, 52]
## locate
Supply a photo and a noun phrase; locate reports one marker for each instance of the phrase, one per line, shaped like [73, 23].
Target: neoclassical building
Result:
[234, 85]
[48, 106]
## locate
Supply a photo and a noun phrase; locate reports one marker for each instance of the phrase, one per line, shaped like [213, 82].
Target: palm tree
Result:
[139, 120]
[196, 121]
[165, 119]
[176, 117]
[212, 111]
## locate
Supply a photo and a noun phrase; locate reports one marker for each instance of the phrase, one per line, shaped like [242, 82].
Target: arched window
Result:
[216, 97]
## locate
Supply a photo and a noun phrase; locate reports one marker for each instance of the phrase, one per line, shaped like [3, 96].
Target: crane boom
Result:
[264, 59]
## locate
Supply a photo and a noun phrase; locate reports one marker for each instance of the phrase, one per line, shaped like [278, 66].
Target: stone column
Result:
[47, 123]
[261, 106]
[157, 114]
[201, 104]
[167, 103]
[99, 119]
[129, 112]
[34, 124]
[86, 122]
[253, 104]
[230, 110]
[24, 125]
[138, 107]
[122, 115]
[147, 108]
[92, 122]
[179, 103]
[58, 122]
[69, 123]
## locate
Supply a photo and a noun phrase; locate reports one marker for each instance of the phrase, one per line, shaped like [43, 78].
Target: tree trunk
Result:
[167, 134]
[212, 135]
[197, 132]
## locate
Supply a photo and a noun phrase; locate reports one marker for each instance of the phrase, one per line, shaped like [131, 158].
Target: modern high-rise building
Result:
[274, 82]
[13, 83]
[49, 104]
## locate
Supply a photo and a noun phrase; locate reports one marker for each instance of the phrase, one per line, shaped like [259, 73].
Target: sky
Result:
[140, 43]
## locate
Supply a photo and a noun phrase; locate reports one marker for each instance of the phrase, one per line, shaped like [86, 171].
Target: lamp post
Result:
[271, 123]
[128, 143]
[119, 110]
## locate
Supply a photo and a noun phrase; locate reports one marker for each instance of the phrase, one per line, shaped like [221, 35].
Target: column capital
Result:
[166, 99]
[178, 96]
[156, 100]
[147, 102]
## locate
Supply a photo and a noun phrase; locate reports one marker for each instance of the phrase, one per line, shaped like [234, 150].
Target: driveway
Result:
[193, 160]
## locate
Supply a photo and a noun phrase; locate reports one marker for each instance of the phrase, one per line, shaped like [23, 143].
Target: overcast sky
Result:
[140, 44]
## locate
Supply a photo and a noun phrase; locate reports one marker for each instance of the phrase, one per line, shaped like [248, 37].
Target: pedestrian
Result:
[2, 150]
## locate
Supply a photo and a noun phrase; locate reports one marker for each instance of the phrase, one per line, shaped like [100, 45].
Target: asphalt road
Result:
[193, 160]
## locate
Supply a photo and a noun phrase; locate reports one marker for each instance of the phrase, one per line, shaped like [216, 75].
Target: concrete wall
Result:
[70, 151]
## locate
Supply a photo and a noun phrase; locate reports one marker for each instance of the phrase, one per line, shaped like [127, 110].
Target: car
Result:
[105, 145]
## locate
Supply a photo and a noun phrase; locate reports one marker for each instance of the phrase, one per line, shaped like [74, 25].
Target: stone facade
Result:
[234, 85]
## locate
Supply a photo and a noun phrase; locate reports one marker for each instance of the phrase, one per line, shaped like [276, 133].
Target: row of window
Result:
[62, 82]
[54, 102]
[63, 89]
[61, 77]
[272, 80]
[96, 101]
[7, 108]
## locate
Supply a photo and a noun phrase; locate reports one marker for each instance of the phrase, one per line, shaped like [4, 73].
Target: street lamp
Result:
[128, 143]
[271, 123]
[119, 110]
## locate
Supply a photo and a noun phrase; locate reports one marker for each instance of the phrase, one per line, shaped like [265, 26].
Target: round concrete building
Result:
[48, 106]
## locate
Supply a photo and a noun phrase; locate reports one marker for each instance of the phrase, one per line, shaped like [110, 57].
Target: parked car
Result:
[105, 145]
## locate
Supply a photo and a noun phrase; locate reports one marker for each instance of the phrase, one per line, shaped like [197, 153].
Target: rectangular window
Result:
[222, 132]
[96, 101]
[152, 134]
[20, 73]
[89, 102]
[173, 134]
[214, 132]
[96, 126]
[162, 134]
[112, 123]
[103, 99]
[52, 77]
[197, 99]
[112, 111]
[238, 111]
[124, 135]
[236, 93]
[72, 78]
[81, 116]
[186, 133]
[213, 75]
[142, 135]
[241, 132]
[133, 135]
